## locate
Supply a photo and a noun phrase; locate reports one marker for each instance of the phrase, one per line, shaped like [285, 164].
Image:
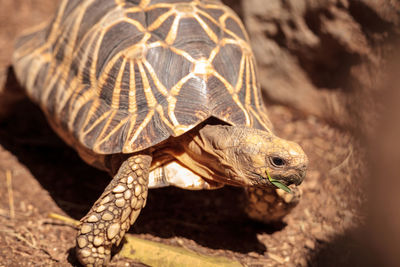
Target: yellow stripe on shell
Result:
[100, 140]
[171, 36]
[132, 108]
[117, 88]
[207, 29]
[239, 83]
[160, 20]
[128, 148]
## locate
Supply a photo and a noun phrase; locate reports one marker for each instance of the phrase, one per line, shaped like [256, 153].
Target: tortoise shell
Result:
[122, 76]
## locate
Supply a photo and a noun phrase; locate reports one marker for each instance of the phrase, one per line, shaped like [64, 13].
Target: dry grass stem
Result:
[65, 219]
[10, 194]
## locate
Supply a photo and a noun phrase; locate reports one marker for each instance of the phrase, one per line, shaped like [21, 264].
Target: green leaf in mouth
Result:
[278, 183]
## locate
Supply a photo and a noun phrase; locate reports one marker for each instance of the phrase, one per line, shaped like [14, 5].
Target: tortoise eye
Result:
[277, 162]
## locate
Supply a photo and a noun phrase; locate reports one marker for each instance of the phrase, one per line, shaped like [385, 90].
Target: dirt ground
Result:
[45, 175]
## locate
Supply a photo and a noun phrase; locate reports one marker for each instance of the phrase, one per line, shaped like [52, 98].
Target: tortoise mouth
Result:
[287, 180]
[295, 179]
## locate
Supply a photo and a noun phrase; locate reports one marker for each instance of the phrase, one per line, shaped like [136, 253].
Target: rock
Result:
[324, 58]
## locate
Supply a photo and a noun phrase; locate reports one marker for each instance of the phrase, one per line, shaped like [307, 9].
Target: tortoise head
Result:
[246, 156]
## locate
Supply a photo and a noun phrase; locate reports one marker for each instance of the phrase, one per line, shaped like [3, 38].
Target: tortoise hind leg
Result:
[270, 205]
[114, 212]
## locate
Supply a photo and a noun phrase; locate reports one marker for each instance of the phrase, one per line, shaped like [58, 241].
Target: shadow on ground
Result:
[352, 249]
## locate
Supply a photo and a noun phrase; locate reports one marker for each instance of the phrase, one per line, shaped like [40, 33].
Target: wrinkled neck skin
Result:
[241, 156]
[212, 153]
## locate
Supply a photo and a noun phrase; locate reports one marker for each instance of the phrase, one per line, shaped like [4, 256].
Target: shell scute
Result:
[117, 38]
[176, 65]
[121, 76]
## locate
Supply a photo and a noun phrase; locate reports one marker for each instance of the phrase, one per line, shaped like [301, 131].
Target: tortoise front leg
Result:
[114, 212]
[269, 205]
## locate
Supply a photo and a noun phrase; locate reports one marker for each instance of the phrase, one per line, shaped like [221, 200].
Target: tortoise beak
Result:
[297, 178]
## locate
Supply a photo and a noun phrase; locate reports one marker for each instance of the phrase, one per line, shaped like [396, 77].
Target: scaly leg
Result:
[114, 212]
[271, 204]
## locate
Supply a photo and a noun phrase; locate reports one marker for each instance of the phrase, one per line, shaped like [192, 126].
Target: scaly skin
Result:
[269, 205]
[114, 212]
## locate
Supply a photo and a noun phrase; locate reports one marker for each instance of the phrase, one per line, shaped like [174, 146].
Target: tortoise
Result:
[157, 93]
